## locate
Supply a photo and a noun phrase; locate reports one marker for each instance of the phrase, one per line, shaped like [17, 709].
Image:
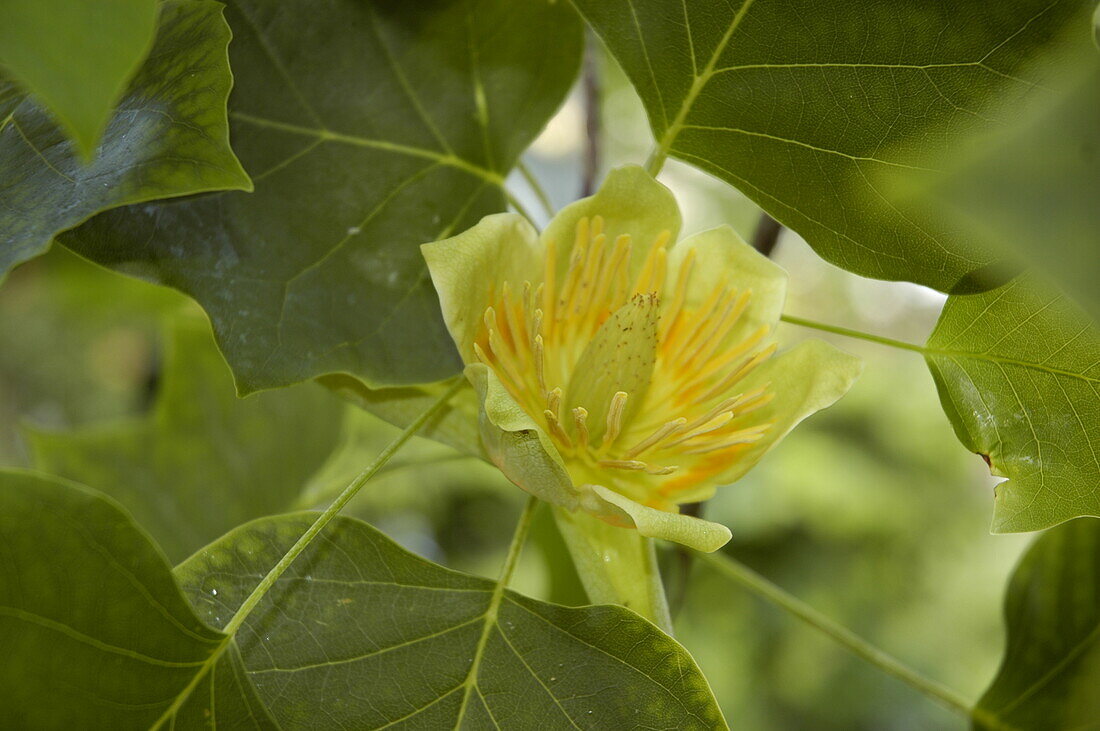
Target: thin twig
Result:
[757, 584]
[592, 127]
[766, 235]
[536, 188]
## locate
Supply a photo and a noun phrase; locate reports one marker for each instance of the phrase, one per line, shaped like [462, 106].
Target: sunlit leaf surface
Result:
[809, 108]
[1018, 371]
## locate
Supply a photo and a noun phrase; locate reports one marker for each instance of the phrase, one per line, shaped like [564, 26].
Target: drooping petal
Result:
[469, 270]
[702, 535]
[811, 376]
[630, 202]
[516, 444]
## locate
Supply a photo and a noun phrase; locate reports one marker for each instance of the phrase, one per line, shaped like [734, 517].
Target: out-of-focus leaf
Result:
[358, 633]
[1051, 667]
[370, 128]
[95, 631]
[455, 426]
[809, 108]
[1034, 190]
[168, 137]
[1018, 372]
[417, 472]
[204, 461]
[76, 56]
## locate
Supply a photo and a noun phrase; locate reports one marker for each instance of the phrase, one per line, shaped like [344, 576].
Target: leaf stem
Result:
[847, 332]
[334, 509]
[536, 188]
[757, 584]
[592, 126]
[520, 208]
[519, 537]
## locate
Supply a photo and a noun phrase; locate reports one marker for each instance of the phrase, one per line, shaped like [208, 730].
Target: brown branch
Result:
[592, 127]
[766, 235]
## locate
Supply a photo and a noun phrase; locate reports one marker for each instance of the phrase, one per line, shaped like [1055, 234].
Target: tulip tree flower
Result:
[622, 374]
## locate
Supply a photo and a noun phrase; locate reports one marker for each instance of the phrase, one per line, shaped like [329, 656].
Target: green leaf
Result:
[370, 128]
[1004, 188]
[809, 108]
[359, 633]
[76, 56]
[204, 461]
[1051, 667]
[455, 425]
[168, 137]
[95, 631]
[1018, 373]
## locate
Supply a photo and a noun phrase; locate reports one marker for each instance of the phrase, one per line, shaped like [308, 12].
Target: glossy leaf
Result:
[39, 40]
[369, 128]
[1018, 372]
[358, 633]
[95, 631]
[204, 461]
[1051, 667]
[809, 108]
[168, 137]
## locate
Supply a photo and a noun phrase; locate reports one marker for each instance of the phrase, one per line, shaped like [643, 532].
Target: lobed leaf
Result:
[40, 39]
[95, 631]
[1051, 666]
[168, 137]
[369, 128]
[375, 636]
[204, 461]
[1018, 373]
[812, 109]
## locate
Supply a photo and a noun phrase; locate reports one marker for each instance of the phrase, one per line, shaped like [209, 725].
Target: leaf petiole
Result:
[757, 584]
[849, 333]
[300, 545]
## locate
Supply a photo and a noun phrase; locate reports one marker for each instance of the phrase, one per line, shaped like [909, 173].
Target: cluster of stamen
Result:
[534, 338]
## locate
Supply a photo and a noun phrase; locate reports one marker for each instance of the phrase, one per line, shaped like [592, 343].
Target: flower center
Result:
[636, 387]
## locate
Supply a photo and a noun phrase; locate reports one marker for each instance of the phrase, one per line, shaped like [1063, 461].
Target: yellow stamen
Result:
[580, 421]
[654, 438]
[615, 417]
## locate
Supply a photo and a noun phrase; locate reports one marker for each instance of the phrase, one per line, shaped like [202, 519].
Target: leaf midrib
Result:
[326, 135]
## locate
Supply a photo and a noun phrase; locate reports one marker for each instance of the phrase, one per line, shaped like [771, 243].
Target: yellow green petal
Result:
[516, 444]
[722, 256]
[615, 565]
[469, 269]
[702, 535]
[630, 201]
[811, 376]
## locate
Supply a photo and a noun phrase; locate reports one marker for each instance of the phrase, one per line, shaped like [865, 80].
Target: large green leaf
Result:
[94, 630]
[810, 108]
[1051, 668]
[1018, 372]
[204, 461]
[358, 633]
[1034, 189]
[369, 127]
[168, 137]
[76, 56]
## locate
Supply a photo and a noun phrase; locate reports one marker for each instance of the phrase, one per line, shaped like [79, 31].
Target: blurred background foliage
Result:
[871, 512]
